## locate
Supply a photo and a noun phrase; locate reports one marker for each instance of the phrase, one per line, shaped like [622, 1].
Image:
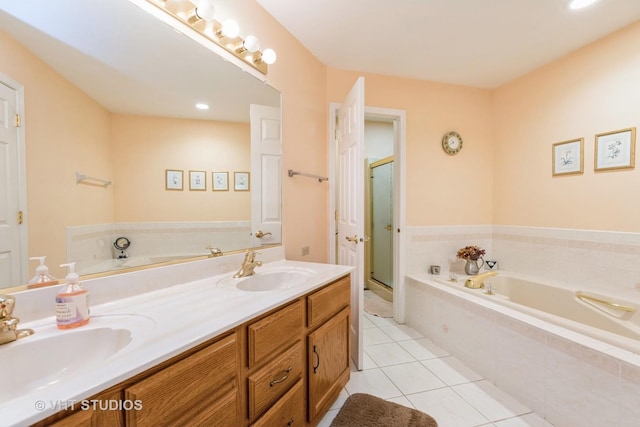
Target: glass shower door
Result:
[382, 223]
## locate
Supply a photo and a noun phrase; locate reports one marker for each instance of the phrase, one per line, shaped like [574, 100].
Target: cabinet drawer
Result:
[328, 301]
[269, 383]
[275, 332]
[191, 390]
[287, 412]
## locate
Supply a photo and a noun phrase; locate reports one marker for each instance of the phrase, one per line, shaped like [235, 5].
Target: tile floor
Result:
[402, 366]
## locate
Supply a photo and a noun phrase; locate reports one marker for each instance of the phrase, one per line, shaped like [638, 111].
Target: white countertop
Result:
[164, 323]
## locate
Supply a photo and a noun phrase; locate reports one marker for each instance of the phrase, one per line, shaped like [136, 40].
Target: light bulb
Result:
[251, 43]
[202, 106]
[269, 56]
[230, 28]
[579, 4]
[205, 10]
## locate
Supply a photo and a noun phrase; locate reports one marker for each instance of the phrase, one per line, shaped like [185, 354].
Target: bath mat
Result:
[364, 410]
[377, 306]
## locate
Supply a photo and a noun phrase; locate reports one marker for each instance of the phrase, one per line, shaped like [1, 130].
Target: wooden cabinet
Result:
[328, 368]
[199, 390]
[288, 411]
[270, 383]
[326, 302]
[284, 368]
[275, 332]
[91, 414]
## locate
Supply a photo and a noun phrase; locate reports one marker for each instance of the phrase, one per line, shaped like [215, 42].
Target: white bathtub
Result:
[560, 362]
[583, 311]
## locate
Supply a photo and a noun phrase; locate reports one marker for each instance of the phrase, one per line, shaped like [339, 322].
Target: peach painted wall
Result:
[302, 80]
[590, 91]
[441, 189]
[144, 147]
[65, 131]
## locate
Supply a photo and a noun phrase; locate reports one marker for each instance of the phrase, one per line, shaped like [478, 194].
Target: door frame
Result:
[22, 176]
[399, 118]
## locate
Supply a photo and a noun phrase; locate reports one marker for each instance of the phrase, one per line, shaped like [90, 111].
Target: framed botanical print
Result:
[220, 181]
[568, 157]
[173, 179]
[197, 181]
[615, 150]
[241, 181]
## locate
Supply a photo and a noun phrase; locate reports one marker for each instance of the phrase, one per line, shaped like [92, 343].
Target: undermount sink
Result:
[50, 355]
[273, 280]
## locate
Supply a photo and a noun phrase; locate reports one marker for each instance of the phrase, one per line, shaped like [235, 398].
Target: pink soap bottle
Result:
[72, 302]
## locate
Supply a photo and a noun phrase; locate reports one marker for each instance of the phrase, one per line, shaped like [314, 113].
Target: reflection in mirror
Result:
[110, 93]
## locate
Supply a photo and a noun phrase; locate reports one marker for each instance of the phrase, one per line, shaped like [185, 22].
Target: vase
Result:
[472, 268]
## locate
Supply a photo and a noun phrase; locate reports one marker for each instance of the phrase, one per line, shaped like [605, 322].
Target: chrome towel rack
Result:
[88, 180]
[308, 175]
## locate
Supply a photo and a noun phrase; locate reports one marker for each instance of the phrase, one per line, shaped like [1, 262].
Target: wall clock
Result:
[452, 143]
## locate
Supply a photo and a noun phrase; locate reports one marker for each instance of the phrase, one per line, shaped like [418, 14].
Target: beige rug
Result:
[373, 304]
[364, 410]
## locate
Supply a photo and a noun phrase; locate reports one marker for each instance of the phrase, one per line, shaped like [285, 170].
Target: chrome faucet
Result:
[248, 265]
[8, 323]
[477, 281]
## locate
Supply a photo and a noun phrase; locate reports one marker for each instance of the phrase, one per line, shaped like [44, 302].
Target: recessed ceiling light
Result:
[579, 4]
[202, 106]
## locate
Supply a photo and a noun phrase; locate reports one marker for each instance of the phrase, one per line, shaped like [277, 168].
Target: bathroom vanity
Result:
[283, 364]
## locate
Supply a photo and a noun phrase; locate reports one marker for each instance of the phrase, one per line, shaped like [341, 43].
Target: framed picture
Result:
[220, 181]
[568, 157]
[197, 181]
[173, 179]
[241, 181]
[615, 150]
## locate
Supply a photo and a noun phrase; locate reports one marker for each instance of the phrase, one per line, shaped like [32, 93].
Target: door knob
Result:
[353, 239]
[260, 234]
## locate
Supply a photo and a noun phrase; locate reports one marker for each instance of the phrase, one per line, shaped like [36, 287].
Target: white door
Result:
[12, 241]
[350, 238]
[266, 175]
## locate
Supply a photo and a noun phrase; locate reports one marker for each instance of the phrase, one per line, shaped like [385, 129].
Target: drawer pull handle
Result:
[290, 423]
[287, 372]
[315, 367]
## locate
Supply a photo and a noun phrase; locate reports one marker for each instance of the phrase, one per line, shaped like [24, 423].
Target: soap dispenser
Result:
[42, 277]
[72, 302]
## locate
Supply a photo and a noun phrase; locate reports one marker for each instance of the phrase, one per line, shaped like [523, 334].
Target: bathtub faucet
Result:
[477, 281]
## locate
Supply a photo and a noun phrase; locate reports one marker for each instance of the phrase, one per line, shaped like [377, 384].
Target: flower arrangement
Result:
[470, 253]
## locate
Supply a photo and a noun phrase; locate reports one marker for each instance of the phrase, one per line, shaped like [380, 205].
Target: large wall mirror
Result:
[116, 147]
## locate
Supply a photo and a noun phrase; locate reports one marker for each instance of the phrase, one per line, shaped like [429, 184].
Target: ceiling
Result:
[479, 43]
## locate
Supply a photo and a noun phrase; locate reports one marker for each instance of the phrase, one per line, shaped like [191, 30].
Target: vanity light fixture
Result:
[200, 16]
[580, 4]
[202, 106]
[229, 29]
[205, 10]
[268, 56]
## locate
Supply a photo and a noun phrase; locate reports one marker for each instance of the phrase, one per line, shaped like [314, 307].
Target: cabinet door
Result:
[91, 414]
[328, 349]
[201, 389]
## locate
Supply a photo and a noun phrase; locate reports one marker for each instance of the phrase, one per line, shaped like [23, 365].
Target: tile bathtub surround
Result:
[604, 261]
[91, 244]
[404, 367]
[570, 383]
